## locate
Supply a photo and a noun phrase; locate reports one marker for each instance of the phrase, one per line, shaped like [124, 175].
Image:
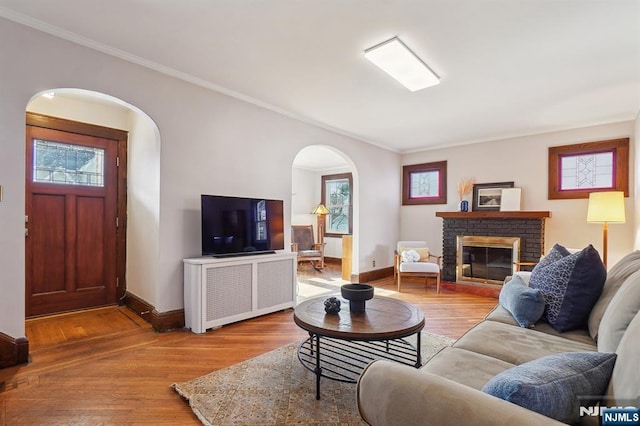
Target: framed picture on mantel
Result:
[488, 196]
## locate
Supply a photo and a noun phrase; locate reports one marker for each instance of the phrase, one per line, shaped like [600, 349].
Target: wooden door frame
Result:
[120, 137]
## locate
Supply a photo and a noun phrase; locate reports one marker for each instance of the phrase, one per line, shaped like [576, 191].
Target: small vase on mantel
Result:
[465, 185]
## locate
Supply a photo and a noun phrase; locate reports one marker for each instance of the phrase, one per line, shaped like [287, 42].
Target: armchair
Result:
[428, 266]
[302, 242]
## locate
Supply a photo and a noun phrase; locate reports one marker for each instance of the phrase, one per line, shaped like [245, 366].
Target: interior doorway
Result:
[138, 200]
[310, 165]
[75, 215]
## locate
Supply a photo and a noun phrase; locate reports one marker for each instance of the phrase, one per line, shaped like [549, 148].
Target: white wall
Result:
[143, 208]
[524, 161]
[84, 111]
[304, 197]
[211, 143]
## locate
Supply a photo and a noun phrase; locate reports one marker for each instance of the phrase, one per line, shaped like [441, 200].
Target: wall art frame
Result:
[488, 196]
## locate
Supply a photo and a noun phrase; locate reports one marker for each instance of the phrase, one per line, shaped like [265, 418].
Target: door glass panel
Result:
[60, 163]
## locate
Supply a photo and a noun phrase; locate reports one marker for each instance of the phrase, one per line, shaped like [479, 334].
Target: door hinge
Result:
[117, 161]
[117, 222]
[117, 281]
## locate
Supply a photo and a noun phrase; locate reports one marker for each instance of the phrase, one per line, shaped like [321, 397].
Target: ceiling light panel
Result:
[397, 60]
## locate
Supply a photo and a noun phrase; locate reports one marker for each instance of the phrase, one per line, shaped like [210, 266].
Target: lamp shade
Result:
[321, 209]
[607, 206]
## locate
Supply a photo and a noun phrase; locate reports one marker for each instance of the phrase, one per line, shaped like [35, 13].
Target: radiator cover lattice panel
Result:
[274, 283]
[228, 291]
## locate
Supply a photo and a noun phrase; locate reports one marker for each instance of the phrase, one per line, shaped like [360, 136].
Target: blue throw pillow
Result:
[571, 286]
[525, 304]
[552, 384]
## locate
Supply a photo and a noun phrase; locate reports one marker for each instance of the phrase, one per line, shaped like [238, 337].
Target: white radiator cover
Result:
[222, 291]
[228, 291]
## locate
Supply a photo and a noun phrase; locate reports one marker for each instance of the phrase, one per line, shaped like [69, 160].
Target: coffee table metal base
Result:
[344, 360]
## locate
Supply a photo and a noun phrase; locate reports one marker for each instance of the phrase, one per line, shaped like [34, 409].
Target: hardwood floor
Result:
[108, 366]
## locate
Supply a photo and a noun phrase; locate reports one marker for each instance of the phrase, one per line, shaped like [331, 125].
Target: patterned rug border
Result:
[253, 392]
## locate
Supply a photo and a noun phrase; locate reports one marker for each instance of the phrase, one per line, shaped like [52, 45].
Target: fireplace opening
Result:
[486, 259]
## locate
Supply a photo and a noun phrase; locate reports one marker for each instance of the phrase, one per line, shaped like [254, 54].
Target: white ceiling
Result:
[508, 68]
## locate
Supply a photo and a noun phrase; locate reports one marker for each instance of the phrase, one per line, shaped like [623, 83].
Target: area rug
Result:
[275, 389]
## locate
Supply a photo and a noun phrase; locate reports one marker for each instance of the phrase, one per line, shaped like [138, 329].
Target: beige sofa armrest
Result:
[393, 394]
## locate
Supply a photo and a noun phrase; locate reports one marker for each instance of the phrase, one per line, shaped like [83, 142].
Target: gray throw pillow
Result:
[552, 384]
[525, 304]
[571, 286]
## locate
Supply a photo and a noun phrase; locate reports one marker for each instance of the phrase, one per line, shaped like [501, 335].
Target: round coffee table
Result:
[341, 345]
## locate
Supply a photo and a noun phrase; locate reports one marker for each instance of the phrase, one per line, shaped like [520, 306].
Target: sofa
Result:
[448, 389]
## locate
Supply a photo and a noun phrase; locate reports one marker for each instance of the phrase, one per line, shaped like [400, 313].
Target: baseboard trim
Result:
[160, 321]
[13, 351]
[333, 260]
[376, 274]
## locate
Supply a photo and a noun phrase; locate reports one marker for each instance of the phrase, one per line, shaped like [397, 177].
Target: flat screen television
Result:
[235, 226]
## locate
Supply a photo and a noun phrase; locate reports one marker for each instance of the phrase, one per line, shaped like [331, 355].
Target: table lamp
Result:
[321, 211]
[606, 207]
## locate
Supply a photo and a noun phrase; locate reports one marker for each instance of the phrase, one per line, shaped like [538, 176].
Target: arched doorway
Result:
[140, 158]
[312, 168]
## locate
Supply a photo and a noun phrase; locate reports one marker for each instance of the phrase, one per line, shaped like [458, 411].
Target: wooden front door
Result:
[70, 222]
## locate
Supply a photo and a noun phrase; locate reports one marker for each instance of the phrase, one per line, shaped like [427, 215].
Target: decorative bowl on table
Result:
[357, 295]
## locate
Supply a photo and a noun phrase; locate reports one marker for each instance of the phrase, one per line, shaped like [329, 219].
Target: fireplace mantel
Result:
[526, 225]
[495, 215]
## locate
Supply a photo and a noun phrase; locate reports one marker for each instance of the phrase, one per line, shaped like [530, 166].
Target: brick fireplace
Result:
[528, 227]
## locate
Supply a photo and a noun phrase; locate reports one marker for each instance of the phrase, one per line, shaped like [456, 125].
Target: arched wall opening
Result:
[309, 165]
[143, 174]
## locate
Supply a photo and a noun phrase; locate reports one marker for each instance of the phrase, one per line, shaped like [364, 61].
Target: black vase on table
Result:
[357, 295]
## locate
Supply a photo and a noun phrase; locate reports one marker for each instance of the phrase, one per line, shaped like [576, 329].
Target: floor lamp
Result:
[321, 211]
[606, 207]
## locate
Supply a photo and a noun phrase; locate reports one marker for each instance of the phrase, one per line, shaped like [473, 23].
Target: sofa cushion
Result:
[551, 385]
[525, 304]
[454, 364]
[622, 309]
[615, 277]
[580, 335]
[516, 345]
[423, 267]
[624, 386]
[571, 286]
